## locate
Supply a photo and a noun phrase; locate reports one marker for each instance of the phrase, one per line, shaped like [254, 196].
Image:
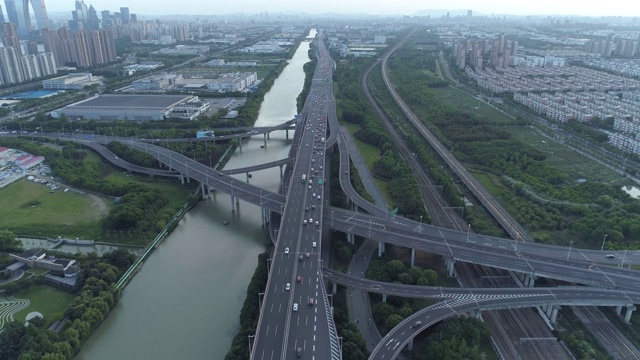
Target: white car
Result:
[317, 225]
[304, 222]
[288, 286]
[295, 306]
[318, 197]
[286, 251]
[313, 244]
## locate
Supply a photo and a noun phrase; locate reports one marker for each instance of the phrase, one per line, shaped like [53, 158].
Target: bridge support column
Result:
[233, 204]
[530, 280]
[410, 345]
[413, 257]
[265, 139]
[334, 288]
[203, 191]
[281, 174]
[268, 136]
[350, 238]
[554, 313]
[477, 313]
[380, 248]
[262, 210]
[450, 263]
[240, 144]
[628, 313]
[181, 179]
[287, 134]
[384, 297]
[247, 174]
[548, 309]
[619, 310]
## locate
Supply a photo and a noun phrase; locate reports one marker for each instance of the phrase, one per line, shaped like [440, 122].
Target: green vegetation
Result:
[354, 346]
[540, 194]
[578, 338]
[84, 313]
[309, 68]
[48, 301]
[250, 312]
[28, 208]
[459, 337]
[8, 241]
[354, 108]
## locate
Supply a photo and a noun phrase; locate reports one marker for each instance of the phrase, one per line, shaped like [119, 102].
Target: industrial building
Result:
[74, 81]
[134, 107]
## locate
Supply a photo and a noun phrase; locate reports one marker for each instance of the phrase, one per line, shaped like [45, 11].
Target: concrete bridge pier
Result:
[350, 238]
[529, 280]
[554, 313]
[233, 204]
[410, 345]
[181, 179]
[265, 139]
[334, 287]
[476, 313]
[413, 257]
[281, 173]
[450, 264]
[269, 136]
[628, 313]
[384, 297]
[247, 174]
[263, 222]
[240, 144]
[286, 134]
[380, 248]
[203, 191]
[548, 309]
[619, 310]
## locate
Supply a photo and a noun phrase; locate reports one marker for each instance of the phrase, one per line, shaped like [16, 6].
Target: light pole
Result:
[331, 218]
[249, 338]
[468, 231]
[260, 300]
[603, 240]
[369, 228]
[420, 224]
[569, 253]
[623, 258]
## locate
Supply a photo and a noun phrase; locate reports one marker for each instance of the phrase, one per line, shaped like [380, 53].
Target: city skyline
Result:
[401, 7]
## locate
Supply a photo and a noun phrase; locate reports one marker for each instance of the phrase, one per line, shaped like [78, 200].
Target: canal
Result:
[185, 301]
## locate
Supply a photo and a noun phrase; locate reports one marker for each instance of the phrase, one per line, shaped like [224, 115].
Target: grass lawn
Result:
[570, 162]
[28, 203]
[38, 271]
[465, 102]
[171, 188]
[44, 299]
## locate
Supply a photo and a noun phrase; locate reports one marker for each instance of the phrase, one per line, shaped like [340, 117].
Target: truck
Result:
[322, 139]
[304, 177]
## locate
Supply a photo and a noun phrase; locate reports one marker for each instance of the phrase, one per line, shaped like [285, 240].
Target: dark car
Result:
[299, 352]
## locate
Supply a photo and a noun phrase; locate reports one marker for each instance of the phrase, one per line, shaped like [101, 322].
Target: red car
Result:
[299, 278]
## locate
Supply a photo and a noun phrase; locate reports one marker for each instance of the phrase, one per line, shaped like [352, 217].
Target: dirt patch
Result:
[103, 209]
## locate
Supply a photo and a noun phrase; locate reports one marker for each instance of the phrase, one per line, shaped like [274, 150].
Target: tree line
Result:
[84, 314]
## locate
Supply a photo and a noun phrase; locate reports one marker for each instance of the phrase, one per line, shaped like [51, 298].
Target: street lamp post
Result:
[260, 300]
[569, 253]
[603, 240]
[420, 224]
[623, 258]
[249, 338]
[468, 231]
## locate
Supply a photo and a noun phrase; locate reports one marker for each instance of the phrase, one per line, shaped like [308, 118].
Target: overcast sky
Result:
[405, 7]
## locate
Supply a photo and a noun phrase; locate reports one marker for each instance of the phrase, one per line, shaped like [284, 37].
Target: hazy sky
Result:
[517, 7]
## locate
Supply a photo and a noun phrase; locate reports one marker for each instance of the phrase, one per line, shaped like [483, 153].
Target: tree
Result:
[395, 268]
[344, 254]
[392, 321]
[8, 241]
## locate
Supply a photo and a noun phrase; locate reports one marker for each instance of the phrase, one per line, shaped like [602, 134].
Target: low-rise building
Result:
[74, 81]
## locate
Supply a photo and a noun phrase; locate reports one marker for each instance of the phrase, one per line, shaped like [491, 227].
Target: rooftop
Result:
[132, 101]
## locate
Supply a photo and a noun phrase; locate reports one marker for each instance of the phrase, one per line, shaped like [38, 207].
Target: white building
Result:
[74, 81]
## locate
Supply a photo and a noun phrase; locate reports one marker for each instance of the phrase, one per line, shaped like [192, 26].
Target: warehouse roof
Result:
[132, 101]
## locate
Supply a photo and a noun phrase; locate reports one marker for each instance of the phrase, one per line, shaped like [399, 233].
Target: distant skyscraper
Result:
[106, 18]
[18, 13]
[125, 15]
[93, 23]
[81, 48]
[2, 21]
[79, 16]
[469, 13]
[134, 17]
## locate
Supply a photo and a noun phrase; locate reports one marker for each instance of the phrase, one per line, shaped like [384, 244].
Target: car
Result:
[311, 302]
[317, 223]
[286, 251]
[307, 255]
[304, 222]
[300, 258]
[306, 208]
[309, 187]
[417, 324]
[299, 278]
[313, 195]
[610, 256]
[287, 287]
[318, 197]
[295, 306]
[116, 158]
[313, 207]
[299, 352]
[310, 220]
[314, 244]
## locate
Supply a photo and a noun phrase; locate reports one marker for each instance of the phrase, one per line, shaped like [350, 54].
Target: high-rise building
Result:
[79, 16]
[10, 37]
[82, 48]
[2, 21]
[93, 23]
[134, 18]
[10, 66]
[106, 18]
[125, 15]
[18, 13]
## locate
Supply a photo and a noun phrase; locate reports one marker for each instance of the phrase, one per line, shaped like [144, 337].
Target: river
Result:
[185, 301]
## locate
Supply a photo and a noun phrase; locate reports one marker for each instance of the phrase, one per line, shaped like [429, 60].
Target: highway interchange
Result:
[282, 330]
